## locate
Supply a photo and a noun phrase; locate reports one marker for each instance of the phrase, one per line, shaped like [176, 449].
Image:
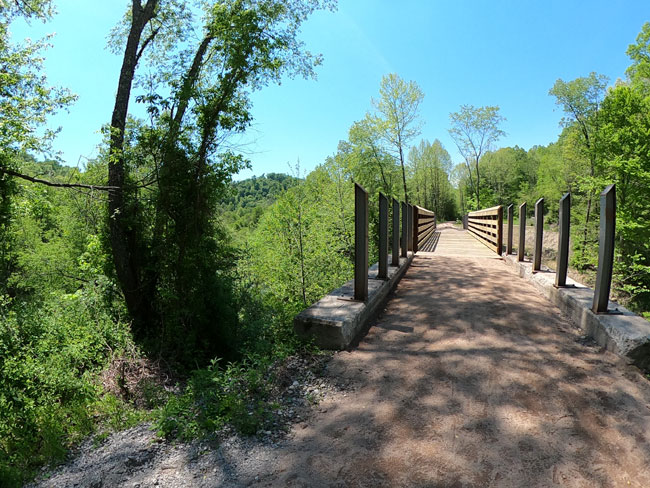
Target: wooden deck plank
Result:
[453, 242]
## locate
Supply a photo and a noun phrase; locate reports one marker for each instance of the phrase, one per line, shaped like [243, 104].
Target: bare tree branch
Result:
[55, 184]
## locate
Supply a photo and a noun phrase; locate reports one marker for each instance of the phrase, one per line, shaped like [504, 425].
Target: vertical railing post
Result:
[521, 250]
[405, 225]
[539, 234]
[360, 243]
[563, 241]
[511, 211]
[605, 249]
[465, 217]
[414, 234]
[395, 261]
[382, 274]
[500, 230]
[410, 227]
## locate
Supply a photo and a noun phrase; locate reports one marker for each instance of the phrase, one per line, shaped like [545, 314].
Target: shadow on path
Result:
[431, 243]
[472, 379]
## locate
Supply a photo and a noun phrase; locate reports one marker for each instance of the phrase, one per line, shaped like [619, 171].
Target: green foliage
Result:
[367, 159]
[59, 322]
[397, 118]
[28, 9]
[49, 356]
[27, 101]
[475, 130]
[624, 144]
[505, 173]
[639, 53]
[8, 189]
[214, 396]
[580, 99]
[47, 232]
[251, 197]
[302, 247]
[430, 165]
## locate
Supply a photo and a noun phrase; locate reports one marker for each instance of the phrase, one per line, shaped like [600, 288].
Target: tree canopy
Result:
[475, 130]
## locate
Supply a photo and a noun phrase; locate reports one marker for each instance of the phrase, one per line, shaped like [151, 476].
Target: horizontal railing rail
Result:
[487, 226]
[424, 225]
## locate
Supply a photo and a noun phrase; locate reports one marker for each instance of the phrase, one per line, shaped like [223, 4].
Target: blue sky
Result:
[505, 53]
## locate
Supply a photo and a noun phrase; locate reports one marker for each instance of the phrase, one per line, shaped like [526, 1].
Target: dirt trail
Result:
[468, 379]
[472, 379]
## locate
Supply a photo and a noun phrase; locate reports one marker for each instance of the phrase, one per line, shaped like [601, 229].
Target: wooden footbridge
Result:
[478, 371]
[337, 319]
[453, 241]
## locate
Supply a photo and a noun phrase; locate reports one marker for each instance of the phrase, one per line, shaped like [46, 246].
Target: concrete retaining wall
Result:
[334, 321]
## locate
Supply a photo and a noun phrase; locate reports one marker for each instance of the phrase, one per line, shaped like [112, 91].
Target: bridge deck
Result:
[471, 378]
[448, 240]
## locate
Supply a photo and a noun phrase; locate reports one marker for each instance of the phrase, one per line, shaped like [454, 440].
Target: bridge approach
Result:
[474, 373]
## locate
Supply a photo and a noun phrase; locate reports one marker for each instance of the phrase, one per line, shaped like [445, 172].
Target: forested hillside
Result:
[149, 285]
[251, 197]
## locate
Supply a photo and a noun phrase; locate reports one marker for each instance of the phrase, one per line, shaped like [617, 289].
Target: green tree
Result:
[26, 102]
[505, 172]
[397, 117]
[624, 141]
[367, 159]
[28, 9]
[249, 198]
[171, 257]
[429, 166]
[639, 72]
[580, 100]
[459, 179]
[475, 130]
[303, 246]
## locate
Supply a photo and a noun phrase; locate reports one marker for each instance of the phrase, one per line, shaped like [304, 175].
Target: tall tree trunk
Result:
[469, 172]
[122, 231]
[427, 202]
[387, 188]
[401, 161]
[436, 193]
[303, 279]
[478, 186]
[592, 171]
[584, 237]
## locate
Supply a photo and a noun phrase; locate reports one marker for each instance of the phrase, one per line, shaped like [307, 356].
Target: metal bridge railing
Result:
[487, 226]
[418, 224]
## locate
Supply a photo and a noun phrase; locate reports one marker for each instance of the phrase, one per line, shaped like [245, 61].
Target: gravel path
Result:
[468, 379]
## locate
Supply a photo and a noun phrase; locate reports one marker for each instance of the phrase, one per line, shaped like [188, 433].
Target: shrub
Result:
[49, 357]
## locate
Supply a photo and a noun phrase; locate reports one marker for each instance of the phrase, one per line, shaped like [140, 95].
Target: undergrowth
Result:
[236, 395]
[50, 397]
[69, 369]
